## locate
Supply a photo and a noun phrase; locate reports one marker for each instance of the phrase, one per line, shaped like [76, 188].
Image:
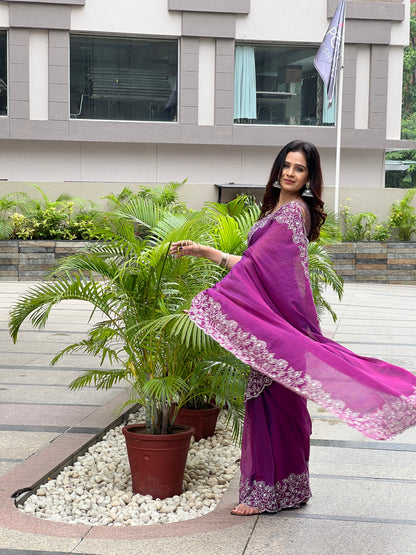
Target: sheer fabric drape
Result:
[328, 114]
[245, 83]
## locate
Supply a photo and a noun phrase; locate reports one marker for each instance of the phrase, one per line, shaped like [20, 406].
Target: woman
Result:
[263, 312]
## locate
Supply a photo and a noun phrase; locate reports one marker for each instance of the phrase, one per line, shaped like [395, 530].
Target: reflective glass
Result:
[3, 73]
[115, 78]
[288, 90]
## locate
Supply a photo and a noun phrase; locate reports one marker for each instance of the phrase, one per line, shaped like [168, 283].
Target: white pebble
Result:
[96, 489]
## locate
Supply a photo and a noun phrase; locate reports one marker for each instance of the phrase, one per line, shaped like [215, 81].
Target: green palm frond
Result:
[322, 269]
[331, 231]
[100, 379]
[228, 236]
[37, 303]
[234, 208]
[166, 387]
[322, 274]
[140, 210]
[89, 263]
[6, 229]
[247, 219]
[102, 342]
[169, 225]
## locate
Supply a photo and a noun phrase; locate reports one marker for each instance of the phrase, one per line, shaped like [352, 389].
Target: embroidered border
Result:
[394, 417]
[256, 384]
[285, 215]
[289, 493]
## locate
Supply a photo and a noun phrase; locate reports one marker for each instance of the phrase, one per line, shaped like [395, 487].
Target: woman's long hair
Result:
[315, 203]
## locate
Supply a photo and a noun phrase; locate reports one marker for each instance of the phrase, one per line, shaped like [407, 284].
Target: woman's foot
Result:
[244, 510]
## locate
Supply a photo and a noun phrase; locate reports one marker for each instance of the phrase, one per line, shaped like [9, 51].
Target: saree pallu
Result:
[263, 312]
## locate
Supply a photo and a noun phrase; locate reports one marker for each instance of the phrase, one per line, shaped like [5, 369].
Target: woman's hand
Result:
[190, 248]
[185, 248]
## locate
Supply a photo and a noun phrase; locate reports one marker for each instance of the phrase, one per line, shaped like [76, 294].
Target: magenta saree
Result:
[275, 448]
[263, 312]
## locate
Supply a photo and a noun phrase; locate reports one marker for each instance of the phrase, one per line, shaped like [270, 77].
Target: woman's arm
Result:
[189, 248]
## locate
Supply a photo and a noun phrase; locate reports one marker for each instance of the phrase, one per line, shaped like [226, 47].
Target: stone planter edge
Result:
[372, 261]
[22, 260]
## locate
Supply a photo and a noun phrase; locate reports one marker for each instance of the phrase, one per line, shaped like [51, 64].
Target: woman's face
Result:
[294, 173]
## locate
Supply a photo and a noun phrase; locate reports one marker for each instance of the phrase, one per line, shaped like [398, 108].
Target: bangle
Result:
[225, 259]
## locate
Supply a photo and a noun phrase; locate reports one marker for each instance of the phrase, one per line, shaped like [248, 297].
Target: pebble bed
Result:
[97, 489]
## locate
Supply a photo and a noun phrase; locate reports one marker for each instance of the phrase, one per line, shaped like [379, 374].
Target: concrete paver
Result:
[364, 491]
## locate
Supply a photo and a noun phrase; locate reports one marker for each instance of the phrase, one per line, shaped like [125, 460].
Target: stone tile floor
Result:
[364, 491]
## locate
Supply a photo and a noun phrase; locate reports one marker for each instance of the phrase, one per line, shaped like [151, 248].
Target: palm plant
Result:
[144, 334]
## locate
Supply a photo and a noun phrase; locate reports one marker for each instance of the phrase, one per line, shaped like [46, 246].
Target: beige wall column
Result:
[348, 100]
[224, 82]
[18, 74]
[188, 79]
[59, 75]
[379, 66]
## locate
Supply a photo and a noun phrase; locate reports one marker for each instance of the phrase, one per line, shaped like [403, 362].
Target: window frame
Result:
[126, 71]
[318, 84]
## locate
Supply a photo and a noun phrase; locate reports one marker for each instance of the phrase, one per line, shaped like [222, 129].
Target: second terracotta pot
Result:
[203, 420]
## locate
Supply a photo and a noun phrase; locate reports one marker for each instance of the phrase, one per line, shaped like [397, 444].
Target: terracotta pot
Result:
[203, 420]
[157, 462]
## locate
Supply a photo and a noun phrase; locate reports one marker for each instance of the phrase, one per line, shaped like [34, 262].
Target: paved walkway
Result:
[364, 491]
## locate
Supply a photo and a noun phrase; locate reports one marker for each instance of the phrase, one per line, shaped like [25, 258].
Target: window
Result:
[123, 79]
[3, 73]
[278, 85]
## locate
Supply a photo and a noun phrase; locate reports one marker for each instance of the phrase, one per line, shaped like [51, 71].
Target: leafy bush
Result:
[403, 217]
[66, 218]
[9, 203]
[162, 197]
[363, 227]
[331, 231]
[56, 222]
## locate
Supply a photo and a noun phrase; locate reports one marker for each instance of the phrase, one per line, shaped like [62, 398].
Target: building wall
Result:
[40, 143]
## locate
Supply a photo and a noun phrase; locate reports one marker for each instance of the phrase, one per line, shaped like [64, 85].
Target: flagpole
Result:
[339, 96]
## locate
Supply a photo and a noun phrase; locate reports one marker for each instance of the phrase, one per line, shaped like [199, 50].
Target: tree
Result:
[407, 179]
[409, 78]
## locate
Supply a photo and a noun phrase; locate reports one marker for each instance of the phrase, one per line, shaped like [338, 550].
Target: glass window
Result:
[3, 73]
[123, 79]
[278, 85]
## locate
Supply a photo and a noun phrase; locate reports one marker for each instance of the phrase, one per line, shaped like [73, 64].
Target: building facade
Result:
[97, 94]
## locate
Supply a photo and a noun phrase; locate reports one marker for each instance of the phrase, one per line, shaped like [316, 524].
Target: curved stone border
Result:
[61, 452]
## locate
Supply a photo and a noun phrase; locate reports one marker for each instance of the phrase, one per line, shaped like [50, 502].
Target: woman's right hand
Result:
[185, 248]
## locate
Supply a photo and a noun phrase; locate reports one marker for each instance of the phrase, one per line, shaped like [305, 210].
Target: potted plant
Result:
[136, 285]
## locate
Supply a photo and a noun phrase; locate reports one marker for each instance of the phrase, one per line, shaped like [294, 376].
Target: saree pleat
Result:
[275, 450]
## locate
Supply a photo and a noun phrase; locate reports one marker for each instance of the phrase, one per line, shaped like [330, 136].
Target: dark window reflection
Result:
[278, 85]
[123, 79]
[3, 73]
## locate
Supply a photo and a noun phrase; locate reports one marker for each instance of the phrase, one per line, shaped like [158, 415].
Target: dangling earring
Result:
[277, 185]
[307, 192]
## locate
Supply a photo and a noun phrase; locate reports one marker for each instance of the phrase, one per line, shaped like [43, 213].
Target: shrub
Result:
[363, 227]
[66, 218]
[403, 217]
